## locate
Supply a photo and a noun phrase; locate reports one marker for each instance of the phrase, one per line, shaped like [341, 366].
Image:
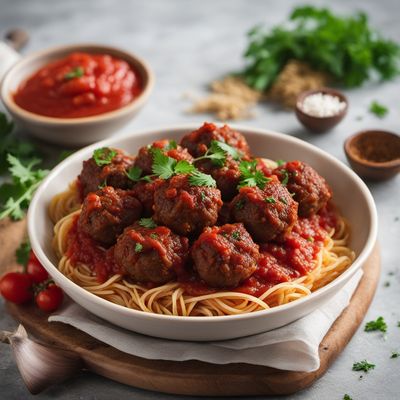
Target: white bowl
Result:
[72, 131]
[350, 194]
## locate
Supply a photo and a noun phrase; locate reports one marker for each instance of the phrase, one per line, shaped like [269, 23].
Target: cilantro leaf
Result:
[163, 166]
[378, 109]
[285, 177]
[347, 397]
[22, 253]
[104, 156]
[76, 72]
[232, 151]
[280, 162]
[363, 365]
[147, 223]
[395, 354]
[171, 145]
[378, 325]
[236, 235]
[184, 167]
[251, 176]
[134, 173]
[270, 200]
[197, 178]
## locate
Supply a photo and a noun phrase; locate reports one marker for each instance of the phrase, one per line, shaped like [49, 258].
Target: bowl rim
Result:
[90, 297]
[365, 162]
[12, 106]
[325, 90]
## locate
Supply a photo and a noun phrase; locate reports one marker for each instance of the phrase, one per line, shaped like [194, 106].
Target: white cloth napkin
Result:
[292, 347]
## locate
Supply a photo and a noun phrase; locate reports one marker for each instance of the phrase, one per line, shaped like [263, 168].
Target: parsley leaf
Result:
[378, 109]
[163, 166]
[184, 167]
[138, 247]
[378, 325]
[147, 223]
[283, 200]
[171, 145]
[154, 235]
[270, 200]
[134, 173]
[232, 151]
[395, 354]
[280, 162]
[345, 47]
[22, 253]
[285, 177]
[104, 156]
[347, 397]
[76, 72]
[236, 235]
[15, 196]
[197, 178]
[363, 365]
[251, 176]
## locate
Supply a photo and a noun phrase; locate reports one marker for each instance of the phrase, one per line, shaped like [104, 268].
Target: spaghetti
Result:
[171, 298]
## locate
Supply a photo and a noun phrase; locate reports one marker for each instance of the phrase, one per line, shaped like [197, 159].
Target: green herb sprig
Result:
[363, 365]
[104, 156]
[347, 48]
[378, 325]
[251, 176]
[378, 109]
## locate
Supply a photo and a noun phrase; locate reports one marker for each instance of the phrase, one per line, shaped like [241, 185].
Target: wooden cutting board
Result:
[195, 377]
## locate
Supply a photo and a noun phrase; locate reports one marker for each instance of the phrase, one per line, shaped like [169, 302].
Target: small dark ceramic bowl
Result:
[374, 154]
[320, 124]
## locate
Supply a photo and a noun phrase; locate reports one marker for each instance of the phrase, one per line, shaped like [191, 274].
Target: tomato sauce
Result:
[295, 256]
[280, 262]
[79, 85]
[83, 249]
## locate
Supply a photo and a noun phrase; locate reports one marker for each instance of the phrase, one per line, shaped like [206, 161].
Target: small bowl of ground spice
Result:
[374, 154]
[320, 110]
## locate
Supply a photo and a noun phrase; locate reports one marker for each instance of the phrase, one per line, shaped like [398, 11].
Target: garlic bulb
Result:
[40, 366]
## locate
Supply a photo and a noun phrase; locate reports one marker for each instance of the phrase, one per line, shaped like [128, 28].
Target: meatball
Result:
[227, 177]
[144, 159]
[154, 255]
[107, 212]
[198, 141]
[267, 214]
[144, 192]
[309, 188]
[225, 256]
[113, 174]
[185, 208]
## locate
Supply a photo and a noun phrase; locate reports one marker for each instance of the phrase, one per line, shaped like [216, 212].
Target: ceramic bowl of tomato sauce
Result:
[76, 95]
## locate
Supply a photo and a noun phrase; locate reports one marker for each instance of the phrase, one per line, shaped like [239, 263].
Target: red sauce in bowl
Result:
[79, 85]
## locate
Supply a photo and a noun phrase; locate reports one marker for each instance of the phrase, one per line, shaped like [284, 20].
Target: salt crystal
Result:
[322, 105]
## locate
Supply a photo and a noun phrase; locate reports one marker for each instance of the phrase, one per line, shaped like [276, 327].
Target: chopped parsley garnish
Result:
[103, 185]
[236, 235]
[197, 178]
[395, 354]
[270, 200]
[285, 178]
[251, 176]
[134, 173]
[347, 397]
[154, 235]
[283, 200]
[76, 72]
[239, 204]
[203, 196]
[147, 223]
[138, 247]
[363, 365]
[378, 325]
[378, 109]
[280, 162]
[104, 156]
[171, 145]
[22, 253]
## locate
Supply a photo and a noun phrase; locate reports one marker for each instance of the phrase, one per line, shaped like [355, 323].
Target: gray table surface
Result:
[189, 43]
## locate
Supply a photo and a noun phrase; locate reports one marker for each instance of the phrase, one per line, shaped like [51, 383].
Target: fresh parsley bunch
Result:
[345, 47]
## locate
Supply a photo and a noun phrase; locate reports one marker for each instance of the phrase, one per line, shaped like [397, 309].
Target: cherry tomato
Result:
[50, 299]
[35, 269]
[16, 287]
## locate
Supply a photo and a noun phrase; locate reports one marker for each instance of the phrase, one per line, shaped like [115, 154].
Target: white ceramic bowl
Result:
[72, 131]
[350, 194]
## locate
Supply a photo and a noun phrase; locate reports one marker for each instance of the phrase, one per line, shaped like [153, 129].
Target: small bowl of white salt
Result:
[321, 109]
